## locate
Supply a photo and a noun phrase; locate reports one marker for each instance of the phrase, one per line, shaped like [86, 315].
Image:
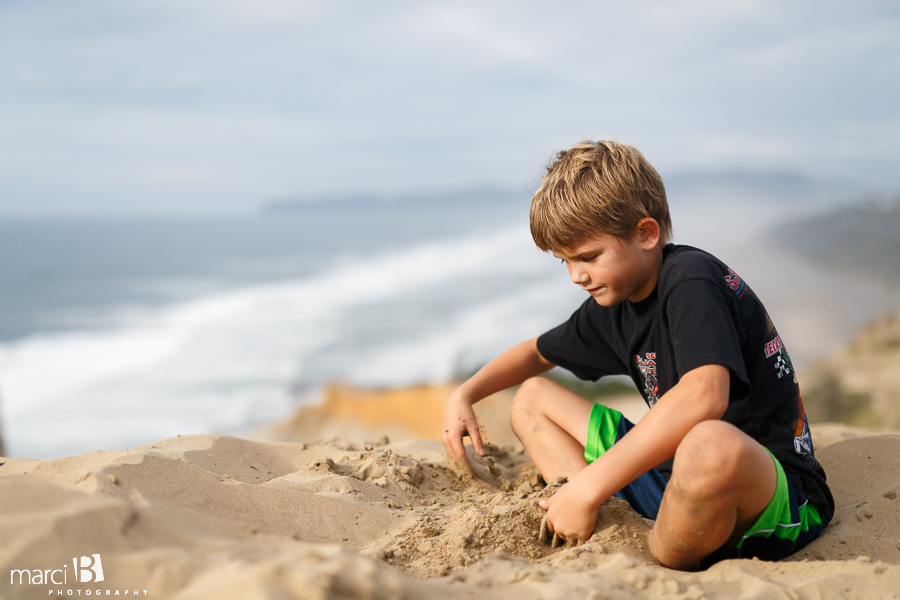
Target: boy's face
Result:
[613, 270]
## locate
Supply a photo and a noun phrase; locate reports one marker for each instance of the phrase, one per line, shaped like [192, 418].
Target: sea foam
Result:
[229, 361]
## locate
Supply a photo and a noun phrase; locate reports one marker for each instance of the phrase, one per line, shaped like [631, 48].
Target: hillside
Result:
[860, 384]
[862, 239]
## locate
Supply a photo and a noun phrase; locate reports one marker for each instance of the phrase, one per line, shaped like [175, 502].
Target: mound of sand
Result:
[221, 517]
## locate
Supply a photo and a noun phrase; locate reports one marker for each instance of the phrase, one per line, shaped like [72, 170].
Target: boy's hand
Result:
[459, 420]
[571, 514]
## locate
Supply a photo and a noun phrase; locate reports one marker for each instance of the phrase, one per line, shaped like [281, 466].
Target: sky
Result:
[202, 107]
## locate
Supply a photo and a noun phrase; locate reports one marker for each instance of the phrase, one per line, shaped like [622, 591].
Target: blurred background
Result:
[209, 210]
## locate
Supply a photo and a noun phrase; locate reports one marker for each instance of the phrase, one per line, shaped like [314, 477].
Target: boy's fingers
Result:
[450, 447]
[459, 451]
[455, 444]
[475, 436]
[461, 457]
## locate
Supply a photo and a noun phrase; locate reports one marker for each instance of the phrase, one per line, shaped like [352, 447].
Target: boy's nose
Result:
[578, 275]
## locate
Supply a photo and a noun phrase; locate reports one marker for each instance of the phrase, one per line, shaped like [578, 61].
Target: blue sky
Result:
[195, 107]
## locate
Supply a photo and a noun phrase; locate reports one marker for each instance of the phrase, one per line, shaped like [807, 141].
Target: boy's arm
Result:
[510, 368]
[700, 395]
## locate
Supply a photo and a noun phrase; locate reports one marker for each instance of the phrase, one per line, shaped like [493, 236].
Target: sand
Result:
[2, 447]
[214, 516]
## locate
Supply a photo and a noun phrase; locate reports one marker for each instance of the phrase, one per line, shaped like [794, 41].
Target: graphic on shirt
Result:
[737, 285]
[774, 346]
[647, 366]
[783, 364]
[803, 438]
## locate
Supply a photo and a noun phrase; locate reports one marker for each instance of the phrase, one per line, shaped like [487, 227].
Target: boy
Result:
[724, 400]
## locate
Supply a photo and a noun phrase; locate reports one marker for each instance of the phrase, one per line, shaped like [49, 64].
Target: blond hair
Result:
[594, 188]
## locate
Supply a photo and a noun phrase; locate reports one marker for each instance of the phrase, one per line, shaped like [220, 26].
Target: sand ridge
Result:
[221, 517]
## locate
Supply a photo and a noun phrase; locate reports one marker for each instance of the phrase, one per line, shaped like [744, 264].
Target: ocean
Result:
[117, 332]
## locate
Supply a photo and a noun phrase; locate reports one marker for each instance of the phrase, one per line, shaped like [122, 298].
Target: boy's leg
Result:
[552, 423]
[562, 432]
[722, 480]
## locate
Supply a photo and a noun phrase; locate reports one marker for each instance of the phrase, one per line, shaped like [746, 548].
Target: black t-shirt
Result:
[700, 313]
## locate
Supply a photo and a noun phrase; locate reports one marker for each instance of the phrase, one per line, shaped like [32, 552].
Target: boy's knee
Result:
[708, 458]
[530, 391]
[526, 403]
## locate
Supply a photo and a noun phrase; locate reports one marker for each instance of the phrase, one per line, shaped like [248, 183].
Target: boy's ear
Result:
[649, 233]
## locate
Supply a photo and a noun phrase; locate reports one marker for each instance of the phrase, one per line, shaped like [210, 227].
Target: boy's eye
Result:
[590, 258]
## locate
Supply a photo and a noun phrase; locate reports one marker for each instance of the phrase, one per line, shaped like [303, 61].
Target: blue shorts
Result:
[788, 523]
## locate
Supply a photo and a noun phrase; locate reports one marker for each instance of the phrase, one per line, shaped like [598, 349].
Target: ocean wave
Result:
[228, 361]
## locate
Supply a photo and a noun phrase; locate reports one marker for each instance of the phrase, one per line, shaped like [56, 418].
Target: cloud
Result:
[200, 106]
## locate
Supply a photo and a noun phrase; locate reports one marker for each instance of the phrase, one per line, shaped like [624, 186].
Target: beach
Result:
[324, 477]
[213, 516]
[249, 249]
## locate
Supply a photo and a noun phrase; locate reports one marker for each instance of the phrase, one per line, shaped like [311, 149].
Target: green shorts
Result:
[788, 523]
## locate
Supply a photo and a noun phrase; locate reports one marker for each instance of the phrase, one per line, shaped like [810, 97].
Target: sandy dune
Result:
[220, 517]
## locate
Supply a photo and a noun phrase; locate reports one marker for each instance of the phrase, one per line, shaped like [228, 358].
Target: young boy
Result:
[698, 343]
